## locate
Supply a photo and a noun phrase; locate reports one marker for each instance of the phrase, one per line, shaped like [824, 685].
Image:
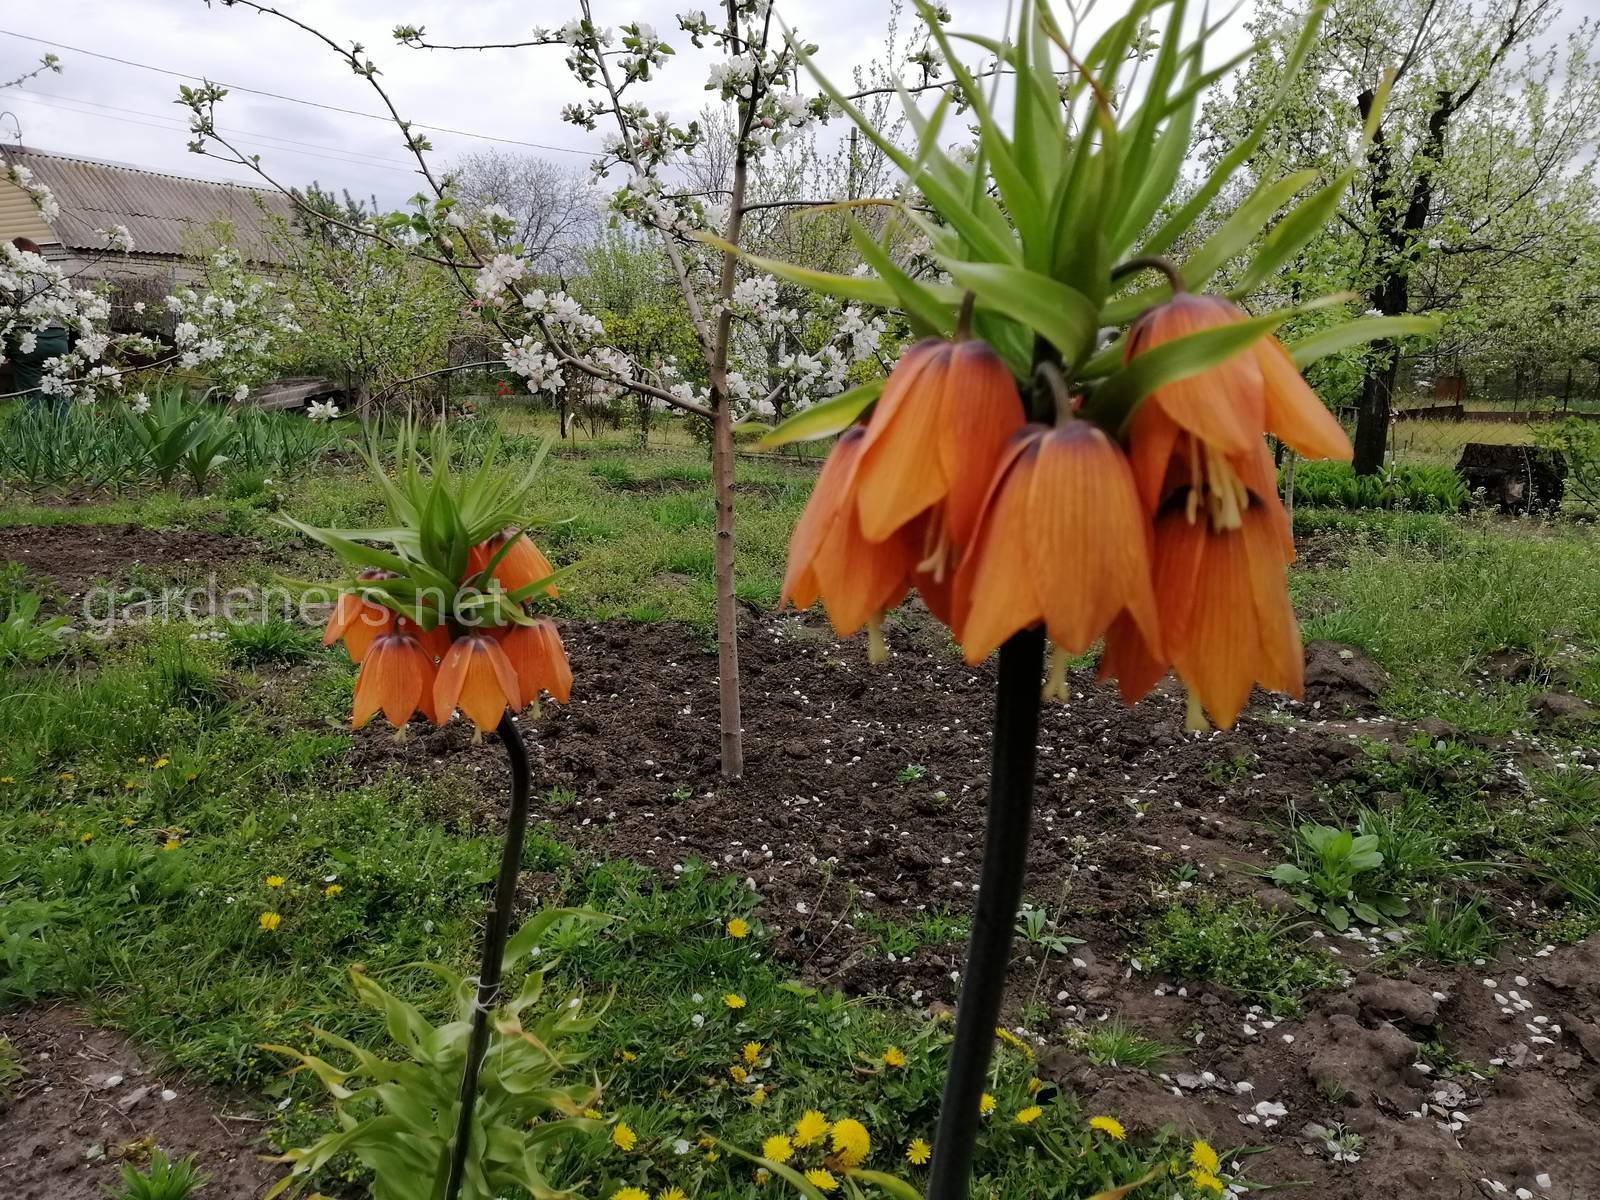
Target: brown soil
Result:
[863, 802]
[75, 558]
[89, 1101]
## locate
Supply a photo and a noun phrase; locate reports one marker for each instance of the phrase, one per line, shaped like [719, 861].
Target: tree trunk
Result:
[730, 719]
[1376, 409]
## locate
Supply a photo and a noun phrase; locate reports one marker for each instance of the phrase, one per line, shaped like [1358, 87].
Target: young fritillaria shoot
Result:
[1077, 448]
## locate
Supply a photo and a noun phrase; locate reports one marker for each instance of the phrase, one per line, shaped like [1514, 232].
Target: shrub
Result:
[1579, 443]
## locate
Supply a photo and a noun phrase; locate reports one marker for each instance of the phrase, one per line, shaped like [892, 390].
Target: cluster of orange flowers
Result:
[1171, 546]
[406, 669]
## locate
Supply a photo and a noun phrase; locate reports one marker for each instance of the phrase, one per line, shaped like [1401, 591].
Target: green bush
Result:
[1336, 485]
[1579, 443]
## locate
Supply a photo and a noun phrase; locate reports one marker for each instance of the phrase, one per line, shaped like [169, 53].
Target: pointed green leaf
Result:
[1324, 342]
[1060, 314]
[827, 418]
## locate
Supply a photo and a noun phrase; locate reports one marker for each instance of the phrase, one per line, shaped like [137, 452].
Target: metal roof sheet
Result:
[166, 214]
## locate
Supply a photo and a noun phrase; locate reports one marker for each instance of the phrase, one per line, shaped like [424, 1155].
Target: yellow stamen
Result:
[1226, 495]
[877, 648]
[1055, 687]
[1194, 718]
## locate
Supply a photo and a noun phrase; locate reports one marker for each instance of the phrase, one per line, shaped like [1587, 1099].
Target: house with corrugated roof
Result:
[167, 215]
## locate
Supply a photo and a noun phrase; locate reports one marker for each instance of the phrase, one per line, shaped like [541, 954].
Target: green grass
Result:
[1431, 597]
[151, 740]
[1117, 1044]
[1241, 946]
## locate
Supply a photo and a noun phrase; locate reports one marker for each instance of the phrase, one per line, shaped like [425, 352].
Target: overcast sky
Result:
[125, 113]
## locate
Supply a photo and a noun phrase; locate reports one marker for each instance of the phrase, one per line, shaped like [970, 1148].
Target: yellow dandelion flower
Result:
[594, 1114]
[673, 1193]
[1034, 1085]
[1205, 1158]
[811, 1127]
[8, 778]
[171, 843]
[333, 889]
[738, 1073]
[129, 784]
[1029, 1115]
[712, 1156]
[706, 1141]
[88, 837]
[269, 921]
[629, 1056]
[851, 1142]
[623, 1137]
[276, 881]
[1109, 1126]
[1206, 1181]
[778, 1148]
[918, 1152]
[163, 762]
[630, 1193]
[752, 1052]
[128, 822]
[986, 1103]
[763, 1176]
[734, 1000]
[822, 1180]
[66, 777]
[894, 1057]
[738, 928]
[758, 1097]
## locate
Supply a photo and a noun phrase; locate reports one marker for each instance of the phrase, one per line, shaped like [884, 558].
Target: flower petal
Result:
[900, 473]
[1293, 412]
[1091, 538]
[995, 586]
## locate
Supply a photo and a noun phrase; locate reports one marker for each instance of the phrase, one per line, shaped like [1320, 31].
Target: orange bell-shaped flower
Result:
[935, 435]
[1222, 539]
[523, 564]
[1229, 406]
[397, 677]
[830, 559]
[435, 641]
[1061, 540]
[358, 620]
[476, 677]
[539, 660]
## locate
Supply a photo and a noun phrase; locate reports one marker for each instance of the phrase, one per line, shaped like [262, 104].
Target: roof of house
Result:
[164, 213]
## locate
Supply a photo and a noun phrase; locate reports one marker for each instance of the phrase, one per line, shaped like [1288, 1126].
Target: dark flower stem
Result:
[1151, 262]
[494, 949]
[1005, 860]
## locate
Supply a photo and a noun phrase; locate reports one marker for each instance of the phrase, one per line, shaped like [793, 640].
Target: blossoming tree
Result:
[548, 336]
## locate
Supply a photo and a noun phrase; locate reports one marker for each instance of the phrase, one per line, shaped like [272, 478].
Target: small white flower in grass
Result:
[139, 405]
[680, 1147]
[241, 392]
[322, 410]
